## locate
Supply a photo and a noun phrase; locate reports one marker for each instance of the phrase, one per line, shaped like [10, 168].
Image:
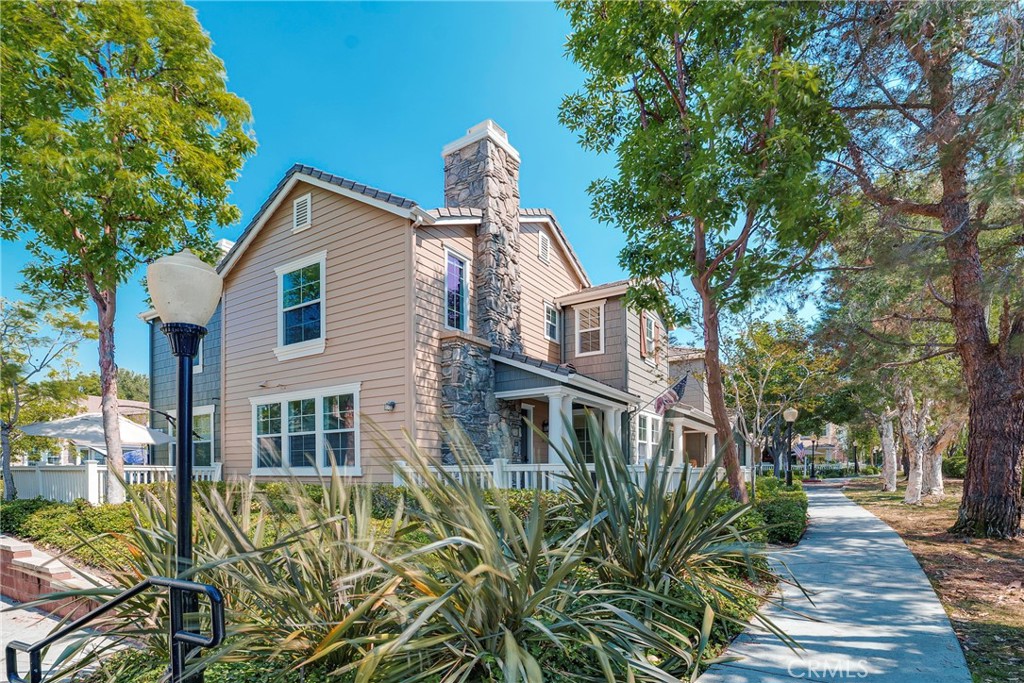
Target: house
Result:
[345, 305]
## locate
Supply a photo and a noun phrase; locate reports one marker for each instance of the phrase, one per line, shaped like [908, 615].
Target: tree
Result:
[34, 367]
[119, 138]
[719, 126]
[770, 366]
[933, 91]
[131, 385]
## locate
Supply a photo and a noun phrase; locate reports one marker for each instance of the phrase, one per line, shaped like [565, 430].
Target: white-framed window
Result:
[544, 247]
[590, 329]
[650, 332]
[307, 432]
[300, 307]
[302, 212]
[456, 291]
[648, 434]
[197, 361]
[552, 322]
[203, 452]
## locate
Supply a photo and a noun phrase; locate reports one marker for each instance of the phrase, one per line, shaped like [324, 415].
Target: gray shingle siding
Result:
[163, 382]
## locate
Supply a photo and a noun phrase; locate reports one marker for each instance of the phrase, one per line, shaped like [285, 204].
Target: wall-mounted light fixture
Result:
[389, 407]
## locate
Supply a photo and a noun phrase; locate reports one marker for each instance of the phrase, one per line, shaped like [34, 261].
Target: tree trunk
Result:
[932, 484]
[106, 307]
[10, 490]
[912, 430]
[716, 396]
[886, 433]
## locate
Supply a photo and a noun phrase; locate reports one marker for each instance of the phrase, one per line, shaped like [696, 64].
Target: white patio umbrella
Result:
[86, 430]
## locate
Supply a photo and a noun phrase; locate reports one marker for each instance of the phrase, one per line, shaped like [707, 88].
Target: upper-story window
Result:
[300, 318]
[455, 291]
[590, 329]
[551, 321]
[649, 345]
[302, 212]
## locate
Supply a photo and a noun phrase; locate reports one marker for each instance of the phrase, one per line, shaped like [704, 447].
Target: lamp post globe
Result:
[185, 292]
[789, 415]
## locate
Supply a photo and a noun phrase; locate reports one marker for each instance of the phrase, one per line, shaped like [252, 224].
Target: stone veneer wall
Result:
[484, 175]
[467, 396]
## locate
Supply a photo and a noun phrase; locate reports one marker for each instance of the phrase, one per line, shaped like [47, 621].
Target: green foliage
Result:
[120, 138]
[131, 386]
[718, 119]
[138, 666]
[460, 583]
[67, 527]
[783, 509]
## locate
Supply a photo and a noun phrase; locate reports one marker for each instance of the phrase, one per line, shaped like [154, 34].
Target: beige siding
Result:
[541, 282]
[608, 367]
[367, 321]
[429, 321]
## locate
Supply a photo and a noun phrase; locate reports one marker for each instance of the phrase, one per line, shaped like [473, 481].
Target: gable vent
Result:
[302, 212]
[544, 247]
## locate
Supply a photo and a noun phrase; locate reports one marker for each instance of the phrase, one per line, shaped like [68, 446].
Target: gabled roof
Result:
[617, 288]
[548, 216]
[386, 201]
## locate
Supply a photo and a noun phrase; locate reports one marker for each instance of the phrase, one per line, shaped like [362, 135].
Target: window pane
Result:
[339, 449]
[302, 324]
[339, 412]
[590, 341]
[301, 286]
[202, 454]
[268, 418]
[642, 428]
[302, 450]
[455, 291]
[302, 415]
[269, 451]
[202, 427]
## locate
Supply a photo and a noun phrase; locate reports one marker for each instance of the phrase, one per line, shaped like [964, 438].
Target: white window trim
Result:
[466, 270]
[310, 347]
[318, 395]
[172, 431]
[577, 309]
[548, 306]
[198, 367]
[653, 436]
[308, 197]
[541, 236]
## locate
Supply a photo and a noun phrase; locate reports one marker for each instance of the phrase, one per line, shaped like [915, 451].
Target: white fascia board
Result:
[595, 295]
[148, 316]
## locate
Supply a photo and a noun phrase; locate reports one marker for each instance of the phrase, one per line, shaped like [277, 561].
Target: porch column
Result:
[559, 406]
[709, 447]
[678, 443]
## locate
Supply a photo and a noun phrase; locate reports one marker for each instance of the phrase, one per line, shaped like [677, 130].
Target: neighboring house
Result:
[826, 446]
[350, 315]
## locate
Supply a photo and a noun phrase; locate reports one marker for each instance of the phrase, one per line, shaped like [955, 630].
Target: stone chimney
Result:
[481, 171]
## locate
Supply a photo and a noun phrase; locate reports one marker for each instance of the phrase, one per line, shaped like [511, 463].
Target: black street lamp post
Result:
[789, 415]
[814, 447]
[185, 293]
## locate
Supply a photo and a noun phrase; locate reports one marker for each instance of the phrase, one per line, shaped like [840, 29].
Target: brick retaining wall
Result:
[27, 574]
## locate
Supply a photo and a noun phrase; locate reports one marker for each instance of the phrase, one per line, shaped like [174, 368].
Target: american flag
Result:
[670, 397]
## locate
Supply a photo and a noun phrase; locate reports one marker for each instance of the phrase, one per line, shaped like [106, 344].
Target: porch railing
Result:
[500, 473]
[88, 481]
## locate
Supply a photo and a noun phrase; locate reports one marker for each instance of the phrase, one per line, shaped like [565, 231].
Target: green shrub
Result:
[66, 527]
[954, 465]
[785, 516]
[13, 513]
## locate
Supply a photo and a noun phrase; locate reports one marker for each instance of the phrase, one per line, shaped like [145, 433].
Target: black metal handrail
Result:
[177, 632]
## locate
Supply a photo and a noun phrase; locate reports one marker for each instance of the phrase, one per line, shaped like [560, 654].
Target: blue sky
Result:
[372, 91]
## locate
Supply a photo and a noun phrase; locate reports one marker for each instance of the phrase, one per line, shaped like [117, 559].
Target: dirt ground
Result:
[980, 581]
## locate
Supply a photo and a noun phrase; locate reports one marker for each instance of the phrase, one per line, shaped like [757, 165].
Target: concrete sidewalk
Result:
[875, 617]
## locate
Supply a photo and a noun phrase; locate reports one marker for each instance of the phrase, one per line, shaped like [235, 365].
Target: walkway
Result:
[875, 617]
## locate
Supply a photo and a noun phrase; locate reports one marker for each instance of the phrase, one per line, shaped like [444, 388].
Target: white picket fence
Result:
[89, 480]
[500, 473]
